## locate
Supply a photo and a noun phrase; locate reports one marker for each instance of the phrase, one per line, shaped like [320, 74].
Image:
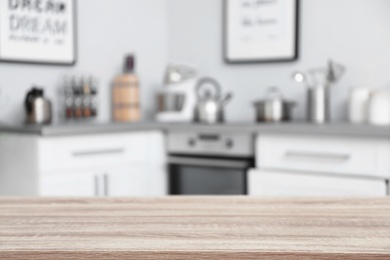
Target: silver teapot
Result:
[210, 106]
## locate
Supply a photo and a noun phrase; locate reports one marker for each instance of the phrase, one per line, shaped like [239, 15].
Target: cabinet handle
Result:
[209, 137]
[97, 193]
[223, 163]
[106, 185]
[98, 152]
[321, 156]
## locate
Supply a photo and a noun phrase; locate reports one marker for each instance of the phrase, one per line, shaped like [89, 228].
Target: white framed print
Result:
[38, 31]
[260, 30]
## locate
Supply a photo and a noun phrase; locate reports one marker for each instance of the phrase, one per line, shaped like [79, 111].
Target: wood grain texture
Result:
[194, 228]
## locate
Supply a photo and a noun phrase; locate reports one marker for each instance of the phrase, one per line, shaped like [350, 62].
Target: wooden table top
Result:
[194, 228]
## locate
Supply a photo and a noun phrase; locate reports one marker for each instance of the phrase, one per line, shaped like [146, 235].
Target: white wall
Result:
[107, 29]
[353, 32]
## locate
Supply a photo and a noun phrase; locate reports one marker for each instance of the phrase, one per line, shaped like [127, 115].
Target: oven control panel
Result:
[223, 144]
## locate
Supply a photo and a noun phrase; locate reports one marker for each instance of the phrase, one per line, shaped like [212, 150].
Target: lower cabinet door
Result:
[278, 183]
[68, 184]
[156, 180]
[125, 181]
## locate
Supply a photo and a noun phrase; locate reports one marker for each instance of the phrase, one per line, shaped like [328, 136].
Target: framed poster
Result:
[260, 30]
[38, 31]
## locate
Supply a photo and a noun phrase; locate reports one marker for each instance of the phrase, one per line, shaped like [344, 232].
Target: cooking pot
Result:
[274, 108]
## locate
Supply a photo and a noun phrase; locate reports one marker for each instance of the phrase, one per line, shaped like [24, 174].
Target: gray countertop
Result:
[78, 128]
[281, 128]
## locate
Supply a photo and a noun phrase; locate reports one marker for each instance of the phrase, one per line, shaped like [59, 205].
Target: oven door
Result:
[206, 176]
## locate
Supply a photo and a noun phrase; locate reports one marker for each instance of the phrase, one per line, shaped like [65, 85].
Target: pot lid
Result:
[273, 94]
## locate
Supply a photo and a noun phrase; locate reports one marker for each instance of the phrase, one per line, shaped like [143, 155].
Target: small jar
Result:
[78, 103]
[69, 107]
[94, 106]
[87, 107]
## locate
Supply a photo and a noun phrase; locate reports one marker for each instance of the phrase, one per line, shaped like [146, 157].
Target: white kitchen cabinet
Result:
[318, 165]
[114, 164]
[368, 157]
[107, 182]
[157, 180]
[75, 152]
[156, 152]
[282, 183]
[75, 184]
[125, 181]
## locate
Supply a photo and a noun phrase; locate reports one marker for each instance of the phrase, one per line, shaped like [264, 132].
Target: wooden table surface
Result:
[194, 228]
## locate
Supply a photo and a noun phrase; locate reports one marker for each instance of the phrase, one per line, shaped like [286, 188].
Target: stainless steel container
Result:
[318, 104]
[319, 83]
[209, 112]
[274, 108]
[170, 102]
[274, 111]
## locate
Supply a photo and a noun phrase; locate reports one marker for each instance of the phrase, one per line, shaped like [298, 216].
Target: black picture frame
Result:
[225, 43]
[59, 63]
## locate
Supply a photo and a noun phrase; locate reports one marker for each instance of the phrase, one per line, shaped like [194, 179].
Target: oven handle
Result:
[236, 164]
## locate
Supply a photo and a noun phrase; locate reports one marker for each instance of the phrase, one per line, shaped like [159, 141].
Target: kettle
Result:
[209, 108]
[38, 109]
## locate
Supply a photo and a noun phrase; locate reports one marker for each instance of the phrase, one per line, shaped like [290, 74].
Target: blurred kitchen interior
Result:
[195, 97]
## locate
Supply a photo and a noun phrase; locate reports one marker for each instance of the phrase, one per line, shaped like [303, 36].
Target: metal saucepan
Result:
[274, 108]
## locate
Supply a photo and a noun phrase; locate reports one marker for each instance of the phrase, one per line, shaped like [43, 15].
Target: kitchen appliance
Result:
[358, 105]
[170, 102]
[319, 83]
[274, 108]
[177, 101]
[209, 163]
[379, 107]
[211, 102]
[38, 109]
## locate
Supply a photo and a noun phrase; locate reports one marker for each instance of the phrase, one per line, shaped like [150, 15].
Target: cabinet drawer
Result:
[343, 155]
[61, 153]
[278, 183]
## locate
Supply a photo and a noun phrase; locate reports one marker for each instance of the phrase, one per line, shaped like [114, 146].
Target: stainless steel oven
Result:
[209, 163]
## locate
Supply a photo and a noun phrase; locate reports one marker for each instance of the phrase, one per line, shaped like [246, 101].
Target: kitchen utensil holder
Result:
[318, 102]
